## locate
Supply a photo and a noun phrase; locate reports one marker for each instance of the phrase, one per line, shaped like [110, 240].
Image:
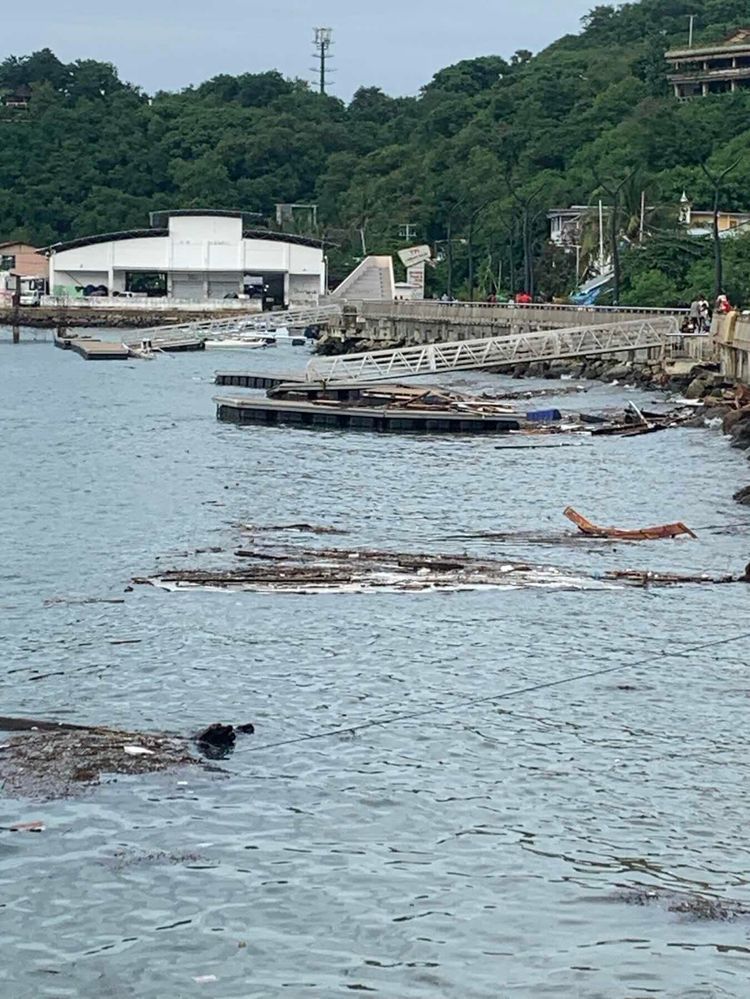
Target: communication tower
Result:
[323, 40]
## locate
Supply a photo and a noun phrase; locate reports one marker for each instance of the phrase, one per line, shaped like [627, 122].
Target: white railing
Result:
[431, 308]
[246, 327]
[144, 303]
[465, 355]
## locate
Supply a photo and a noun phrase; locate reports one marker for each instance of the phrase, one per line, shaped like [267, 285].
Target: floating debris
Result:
[138, 751]
[282, 528]
[694, 906]
[640, 577]
[326, 570]
[36, 826]
[58, 759]
[402, 408]
[295, 570]
[75, 601]
[615, 533]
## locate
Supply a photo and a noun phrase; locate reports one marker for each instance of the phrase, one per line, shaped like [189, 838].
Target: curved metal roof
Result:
[114, 237]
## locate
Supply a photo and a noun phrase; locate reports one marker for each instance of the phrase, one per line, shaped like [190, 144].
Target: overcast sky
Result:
[393, 44]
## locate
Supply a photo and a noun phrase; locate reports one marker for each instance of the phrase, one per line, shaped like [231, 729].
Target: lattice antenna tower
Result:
[323, 40]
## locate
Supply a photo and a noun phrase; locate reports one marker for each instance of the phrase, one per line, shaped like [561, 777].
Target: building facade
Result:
[700, 222]
[565, 224]
[192, 256]
[711, 69]
[22, 259]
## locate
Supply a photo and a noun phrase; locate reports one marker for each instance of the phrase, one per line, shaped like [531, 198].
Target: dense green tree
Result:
[472, 164]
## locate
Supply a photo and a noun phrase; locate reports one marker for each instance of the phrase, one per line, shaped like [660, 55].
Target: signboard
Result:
[414, 255]
[415, 277]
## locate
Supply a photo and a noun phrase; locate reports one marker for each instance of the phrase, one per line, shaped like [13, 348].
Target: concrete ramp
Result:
[371, 281]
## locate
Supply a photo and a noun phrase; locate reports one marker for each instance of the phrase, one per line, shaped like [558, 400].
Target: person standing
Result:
[722, 304]
[695, 315]
[705, 314]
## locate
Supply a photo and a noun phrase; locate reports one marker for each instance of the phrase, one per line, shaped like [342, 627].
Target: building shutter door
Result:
[188, 287]
[221, 285]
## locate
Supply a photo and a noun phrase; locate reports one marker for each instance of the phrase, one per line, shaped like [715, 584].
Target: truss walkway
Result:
[241, 327]
[464, 355]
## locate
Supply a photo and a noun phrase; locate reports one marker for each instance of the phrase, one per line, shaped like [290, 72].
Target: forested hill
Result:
[482, 152]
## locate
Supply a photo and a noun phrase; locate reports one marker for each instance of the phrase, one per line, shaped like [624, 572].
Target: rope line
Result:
[499, 696]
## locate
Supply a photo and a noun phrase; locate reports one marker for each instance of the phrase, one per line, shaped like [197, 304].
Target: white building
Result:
[193, 255]
[565, 224]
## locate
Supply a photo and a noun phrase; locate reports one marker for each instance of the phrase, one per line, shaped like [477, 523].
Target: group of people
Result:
[699, 318]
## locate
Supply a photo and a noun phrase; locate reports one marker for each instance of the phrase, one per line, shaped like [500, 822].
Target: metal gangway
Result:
[249, 326]
[465, 355]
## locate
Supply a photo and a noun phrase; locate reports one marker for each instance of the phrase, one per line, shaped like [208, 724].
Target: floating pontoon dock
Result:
[246, 409]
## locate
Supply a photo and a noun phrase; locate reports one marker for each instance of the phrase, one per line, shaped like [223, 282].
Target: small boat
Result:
[145, 352]
[615, 533]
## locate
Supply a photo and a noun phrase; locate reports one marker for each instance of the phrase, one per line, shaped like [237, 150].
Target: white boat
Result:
[269, 338]
[145, 351]
[236, 344]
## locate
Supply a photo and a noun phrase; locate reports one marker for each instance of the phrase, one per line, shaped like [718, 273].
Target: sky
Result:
[394, 44]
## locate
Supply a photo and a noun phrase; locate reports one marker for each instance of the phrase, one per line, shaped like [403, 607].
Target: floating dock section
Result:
[91, 349]
[244, 409]
[245, 379]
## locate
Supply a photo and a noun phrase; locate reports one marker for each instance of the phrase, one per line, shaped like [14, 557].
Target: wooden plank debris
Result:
[615, 533]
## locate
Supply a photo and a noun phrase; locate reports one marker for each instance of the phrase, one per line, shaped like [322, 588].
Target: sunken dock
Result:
[301, 413]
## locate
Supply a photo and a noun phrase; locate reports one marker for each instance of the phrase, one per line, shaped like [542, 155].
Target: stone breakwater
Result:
[84, 318]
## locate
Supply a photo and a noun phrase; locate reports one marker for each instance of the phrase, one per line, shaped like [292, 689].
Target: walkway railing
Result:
[464, 355]
[487, 313]
[246, 327]
[144, 303]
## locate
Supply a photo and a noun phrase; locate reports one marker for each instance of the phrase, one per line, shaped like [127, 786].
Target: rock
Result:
[737, 425]
[697, 388]
[677, 384]
[734, 417]
[620, 372]
[714, 410]
[536, 369]
[741, 436]
[743, 496]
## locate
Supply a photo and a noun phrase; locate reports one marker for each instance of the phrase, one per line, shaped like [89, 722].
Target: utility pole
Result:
[642, 225]
[323, 41]
[16, 302]
[692, 27]
[717, 181]
[407, 231]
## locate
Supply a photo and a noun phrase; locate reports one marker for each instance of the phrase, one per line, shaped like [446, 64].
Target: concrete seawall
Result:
[417, 323]
[731, 335]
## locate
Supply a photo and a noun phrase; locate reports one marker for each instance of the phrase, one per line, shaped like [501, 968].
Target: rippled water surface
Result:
[471, 853]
